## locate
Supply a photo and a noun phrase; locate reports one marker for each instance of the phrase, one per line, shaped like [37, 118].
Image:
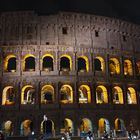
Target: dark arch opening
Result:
[11, 64]
[48, 96]
[48, 63]
[30, 63]
[64, 64]
[138, 68]
[47, 126]
[97, 64]
[81, 64]
[31, 126]
[119, 124]
[63, 95]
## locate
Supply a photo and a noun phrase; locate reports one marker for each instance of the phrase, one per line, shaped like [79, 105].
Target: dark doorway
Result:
[81, 64]
[11, 64]
[47, 126]
[30, 64]
[64, 64]
[97, 65]
[48, 63]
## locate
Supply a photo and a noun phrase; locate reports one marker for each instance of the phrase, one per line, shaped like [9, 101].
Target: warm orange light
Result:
[47, 88]
[118, 91]
[86, 94]
[70, 59]
[128, 67]
[114, 66]
[103, 93]
[7, 60]
[102, 63]
[86, 60]
[68, 91]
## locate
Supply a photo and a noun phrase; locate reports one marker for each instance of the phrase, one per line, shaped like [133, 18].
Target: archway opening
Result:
[47, 127]
[28, 95]
[83, 64]
[120, 127]
[128, 67]
[47, 94]
[65, 63]
[68, 126]
[117, 95]
[8, 128]
[84, 94]
[10, 63]
[26, 128]
[66, 94]
[29, 63]
[133, 126]
[104, 126]
[101, 95]
[114, 66]
[47, 64]
[8, 96]
[138, 68]
[99, 64]
[85, 126]
[131, 96]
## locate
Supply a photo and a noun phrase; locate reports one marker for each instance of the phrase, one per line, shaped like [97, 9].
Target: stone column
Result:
[124, 90]
[110, 94]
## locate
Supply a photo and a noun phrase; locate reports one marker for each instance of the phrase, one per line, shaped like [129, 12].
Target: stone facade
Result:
[76, 35]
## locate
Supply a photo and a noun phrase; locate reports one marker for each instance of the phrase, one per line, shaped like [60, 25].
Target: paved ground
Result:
[58, 138]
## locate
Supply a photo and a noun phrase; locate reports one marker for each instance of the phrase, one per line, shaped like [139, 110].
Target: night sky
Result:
[125, 9]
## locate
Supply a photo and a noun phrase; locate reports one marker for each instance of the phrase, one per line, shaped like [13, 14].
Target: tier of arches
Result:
[65, 64]
[66, 95]
[84, 125]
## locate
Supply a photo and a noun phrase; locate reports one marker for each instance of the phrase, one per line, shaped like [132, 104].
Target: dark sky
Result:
[124, 9]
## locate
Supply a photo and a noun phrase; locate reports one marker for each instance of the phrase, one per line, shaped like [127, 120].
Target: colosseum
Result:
[80, 72]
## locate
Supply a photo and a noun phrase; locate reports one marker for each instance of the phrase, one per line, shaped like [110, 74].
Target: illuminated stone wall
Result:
[73, 36]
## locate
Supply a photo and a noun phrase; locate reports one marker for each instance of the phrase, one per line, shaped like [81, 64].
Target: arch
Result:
[99, 64]
[47, 94]
[10, 63]
[68, 126]
[133, 125]
[138, 67]
[84, 94]
[8, 96]
[83, 63]
[65, 63]
[131, 96]
[114, 66]
[47, 63]
[119, 125]
[26, 127]
[85, 125]
[128, 67]
[66, 94]
[28, 63]
[117, 95]
[101, 95]
[8, 128]
[27, 95]
[47, 126]
[104, 126]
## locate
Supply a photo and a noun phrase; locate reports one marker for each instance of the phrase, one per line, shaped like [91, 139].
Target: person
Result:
[130, 135]
[90, 135]
[1, 136]
[105, 135]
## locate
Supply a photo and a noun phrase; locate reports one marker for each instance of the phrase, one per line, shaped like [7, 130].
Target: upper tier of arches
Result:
[66, 63]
